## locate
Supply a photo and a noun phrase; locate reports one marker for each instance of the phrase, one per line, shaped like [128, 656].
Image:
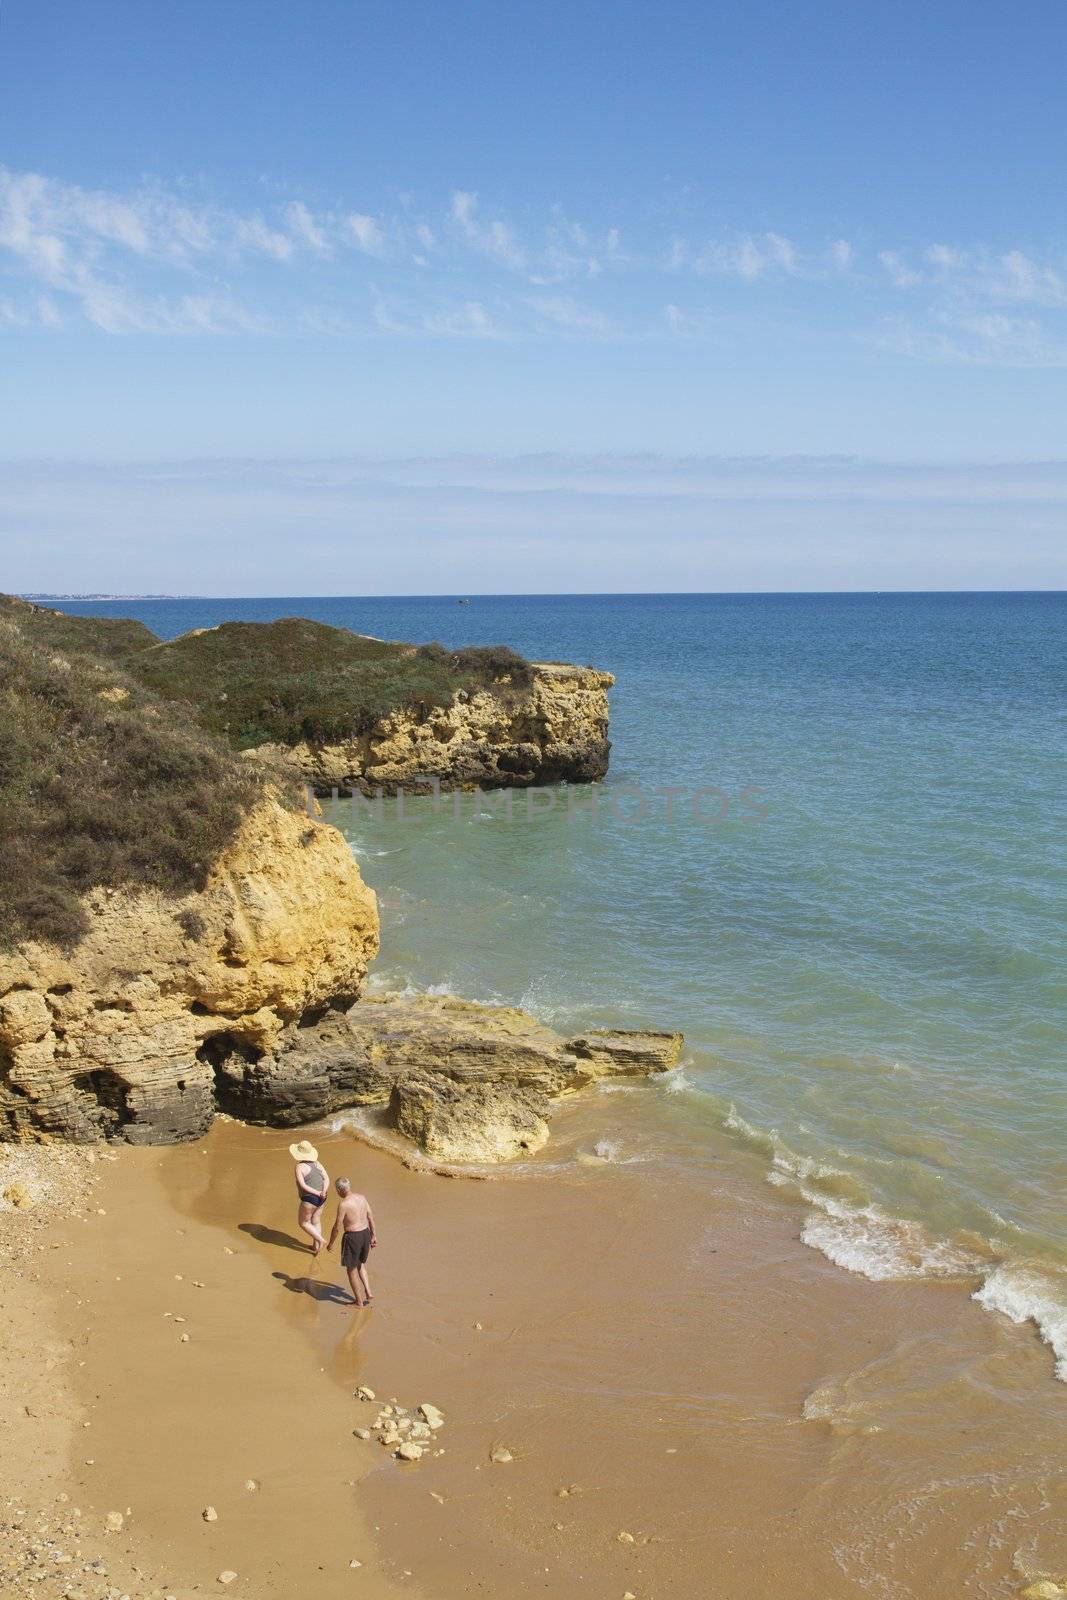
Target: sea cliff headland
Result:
[183, 940]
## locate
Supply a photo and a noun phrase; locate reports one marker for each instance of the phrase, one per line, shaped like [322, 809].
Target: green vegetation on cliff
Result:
[283, 682]
[113, 638]
[101, 785]
[116, 749]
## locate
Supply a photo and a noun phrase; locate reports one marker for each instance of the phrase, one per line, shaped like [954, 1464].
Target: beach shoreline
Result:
[686, 1369]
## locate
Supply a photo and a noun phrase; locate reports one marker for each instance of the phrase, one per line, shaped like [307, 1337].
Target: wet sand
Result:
[657, 1343]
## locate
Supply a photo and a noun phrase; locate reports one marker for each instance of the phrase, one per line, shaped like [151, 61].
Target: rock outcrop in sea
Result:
[349, 711]
[462, 1081]
[551, 729]
[242, 1012]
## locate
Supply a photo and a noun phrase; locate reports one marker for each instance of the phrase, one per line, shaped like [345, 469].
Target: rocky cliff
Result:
[122, 1034]
[177, 938]
[551, 728]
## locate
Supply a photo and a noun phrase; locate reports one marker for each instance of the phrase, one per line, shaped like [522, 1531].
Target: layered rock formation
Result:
[553, 729]
[234, 1003]
[122, 1036]
[465, 1082]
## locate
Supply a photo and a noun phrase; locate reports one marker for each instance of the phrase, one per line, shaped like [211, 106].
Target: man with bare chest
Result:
[355, 1222]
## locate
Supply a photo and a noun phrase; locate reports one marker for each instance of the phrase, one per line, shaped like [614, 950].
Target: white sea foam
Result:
[676, 1082]
[734, 1122]
[403, 989]
[882, 1248]
[857, 1235]
[1031, 1294]
[607, 1150]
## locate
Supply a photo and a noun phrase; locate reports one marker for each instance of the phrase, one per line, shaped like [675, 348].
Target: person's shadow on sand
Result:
[318, 1291]
[272, 1236]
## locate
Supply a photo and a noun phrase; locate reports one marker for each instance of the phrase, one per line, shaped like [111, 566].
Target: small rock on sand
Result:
[355, 1563]
[431, 1415]
[115, 1520]
[362, 1433]
[501, 1455]
[209, 1514]
[1044, 1589]
[251, 1484]
[625, 1538]
[17, 1194]
[183, 1338]
[410, 1452]
[363, 1393]
[227, 1576]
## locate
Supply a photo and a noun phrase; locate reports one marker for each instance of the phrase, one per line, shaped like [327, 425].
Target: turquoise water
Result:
[862, 933]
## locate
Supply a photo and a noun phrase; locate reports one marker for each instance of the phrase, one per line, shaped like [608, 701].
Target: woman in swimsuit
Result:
[312, 1186]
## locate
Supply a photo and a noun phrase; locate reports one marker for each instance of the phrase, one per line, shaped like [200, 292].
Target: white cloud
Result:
[252, 233]
[494, 239]
[977, 339]
[158, 260]
[1018, 277]
[366, 232]
[304, 228]
[470, 320]
[901, 275]
[748, 256]
[679, 321]
[564, 312]
[941, 255]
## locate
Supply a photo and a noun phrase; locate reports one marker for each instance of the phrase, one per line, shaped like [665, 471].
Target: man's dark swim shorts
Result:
[355, 1248]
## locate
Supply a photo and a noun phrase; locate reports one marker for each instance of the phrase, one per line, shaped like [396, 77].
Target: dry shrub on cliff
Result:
[99, 786]
[283, 682]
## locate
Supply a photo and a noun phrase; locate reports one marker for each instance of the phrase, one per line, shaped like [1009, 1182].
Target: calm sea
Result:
[853, 901]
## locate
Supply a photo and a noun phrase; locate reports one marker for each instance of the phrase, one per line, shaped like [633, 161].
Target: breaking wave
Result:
[853, 1232]
[1025, 1293]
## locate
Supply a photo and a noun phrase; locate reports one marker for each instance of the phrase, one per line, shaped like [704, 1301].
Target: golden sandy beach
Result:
[695, 1403]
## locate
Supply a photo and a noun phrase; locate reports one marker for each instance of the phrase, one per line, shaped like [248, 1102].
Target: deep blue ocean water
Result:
[855, 903]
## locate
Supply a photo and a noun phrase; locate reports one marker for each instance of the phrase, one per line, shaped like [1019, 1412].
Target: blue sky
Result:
[351, 297]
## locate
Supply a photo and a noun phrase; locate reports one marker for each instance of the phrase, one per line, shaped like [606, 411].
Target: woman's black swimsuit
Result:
[308, 1196]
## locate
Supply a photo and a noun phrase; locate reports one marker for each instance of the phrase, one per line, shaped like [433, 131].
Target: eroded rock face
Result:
[468, 1122]
[465, 1082]
[555, 731]
[125, 1035]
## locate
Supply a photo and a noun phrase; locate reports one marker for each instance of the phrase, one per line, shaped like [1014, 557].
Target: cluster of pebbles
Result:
[55, 1553]
[409, 1435]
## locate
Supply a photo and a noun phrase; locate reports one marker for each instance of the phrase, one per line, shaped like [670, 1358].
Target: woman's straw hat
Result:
[303, 1151]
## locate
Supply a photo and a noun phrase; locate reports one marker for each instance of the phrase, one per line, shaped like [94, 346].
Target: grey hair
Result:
[342, 1186]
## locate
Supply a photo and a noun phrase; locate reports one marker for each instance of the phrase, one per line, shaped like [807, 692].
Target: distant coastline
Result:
[35, 598]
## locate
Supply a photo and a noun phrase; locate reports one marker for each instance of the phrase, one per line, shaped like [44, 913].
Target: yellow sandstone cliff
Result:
[555, 729]
[122, 1034]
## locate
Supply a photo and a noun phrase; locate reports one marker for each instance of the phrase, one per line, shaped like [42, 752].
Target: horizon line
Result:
[545, 594]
